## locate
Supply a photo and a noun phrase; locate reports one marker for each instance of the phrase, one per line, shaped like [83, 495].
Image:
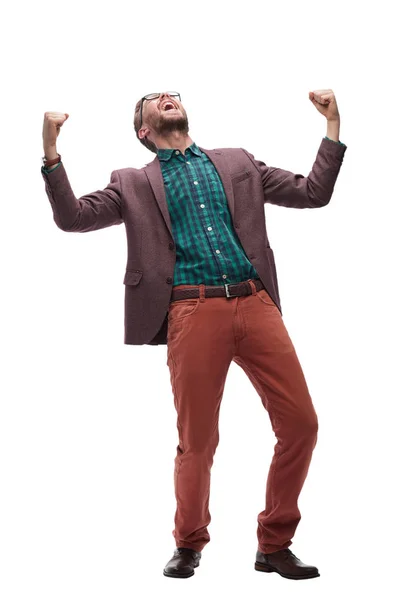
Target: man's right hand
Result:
[52, 123]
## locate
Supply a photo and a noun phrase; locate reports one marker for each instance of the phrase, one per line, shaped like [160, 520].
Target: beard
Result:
[167, 124]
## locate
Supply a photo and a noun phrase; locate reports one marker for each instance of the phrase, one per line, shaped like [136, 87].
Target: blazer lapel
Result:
[154, 175]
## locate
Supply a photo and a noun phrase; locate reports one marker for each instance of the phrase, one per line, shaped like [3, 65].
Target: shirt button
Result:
[202, 205]
[224, 276]
[169, 280]
[209, 228]
[188, 162]
[218, 251]
[176, 151]
[196, 182]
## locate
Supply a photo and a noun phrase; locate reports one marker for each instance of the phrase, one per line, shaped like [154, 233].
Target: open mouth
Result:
[168, 105]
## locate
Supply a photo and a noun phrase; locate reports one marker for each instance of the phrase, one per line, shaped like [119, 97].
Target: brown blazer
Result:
[136, 197]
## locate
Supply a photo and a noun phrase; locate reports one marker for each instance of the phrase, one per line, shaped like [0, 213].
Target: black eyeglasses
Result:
[152, 97]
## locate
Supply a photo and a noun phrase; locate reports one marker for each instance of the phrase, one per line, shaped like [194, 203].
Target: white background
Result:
[88, 426]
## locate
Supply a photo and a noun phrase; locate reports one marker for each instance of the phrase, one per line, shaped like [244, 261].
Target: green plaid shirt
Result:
[207, 248]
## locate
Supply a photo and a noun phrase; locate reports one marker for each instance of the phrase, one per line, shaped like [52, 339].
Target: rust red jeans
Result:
[204, 336]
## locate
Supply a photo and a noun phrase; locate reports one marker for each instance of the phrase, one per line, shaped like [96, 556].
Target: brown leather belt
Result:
[230, 290]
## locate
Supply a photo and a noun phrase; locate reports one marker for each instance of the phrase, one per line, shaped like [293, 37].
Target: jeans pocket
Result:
[181, 309]
[265, 297]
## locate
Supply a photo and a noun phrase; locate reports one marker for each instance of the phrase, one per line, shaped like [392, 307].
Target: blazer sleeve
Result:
[293, 190]
[96, 210]
[50, 169]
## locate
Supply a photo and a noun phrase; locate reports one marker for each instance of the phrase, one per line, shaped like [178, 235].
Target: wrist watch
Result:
[53, 161]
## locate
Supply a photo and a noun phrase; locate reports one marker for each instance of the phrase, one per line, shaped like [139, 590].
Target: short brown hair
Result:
[136, 121]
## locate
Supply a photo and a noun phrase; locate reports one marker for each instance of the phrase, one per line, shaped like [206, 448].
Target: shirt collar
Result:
[166, 153]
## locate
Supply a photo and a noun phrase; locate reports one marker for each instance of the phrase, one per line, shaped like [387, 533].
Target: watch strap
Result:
[53, 161]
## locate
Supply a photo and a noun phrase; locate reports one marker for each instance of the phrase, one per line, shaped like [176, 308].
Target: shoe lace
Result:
[289, 553]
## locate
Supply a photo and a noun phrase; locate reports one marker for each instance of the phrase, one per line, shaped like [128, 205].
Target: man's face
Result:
[164, 114]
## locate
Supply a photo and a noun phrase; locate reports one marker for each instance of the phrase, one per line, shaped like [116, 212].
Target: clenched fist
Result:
[52, 123]
[325, 102]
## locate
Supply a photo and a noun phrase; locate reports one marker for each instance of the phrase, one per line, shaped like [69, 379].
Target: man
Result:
[201, 278]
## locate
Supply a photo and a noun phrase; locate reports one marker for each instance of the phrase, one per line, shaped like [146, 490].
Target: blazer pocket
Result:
[240, 176]
[132, 276]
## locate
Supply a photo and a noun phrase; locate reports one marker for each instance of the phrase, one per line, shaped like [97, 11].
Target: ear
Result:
[143, 132]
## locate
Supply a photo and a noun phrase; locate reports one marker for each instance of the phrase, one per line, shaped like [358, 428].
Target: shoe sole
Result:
[180, 575]
[266, 569]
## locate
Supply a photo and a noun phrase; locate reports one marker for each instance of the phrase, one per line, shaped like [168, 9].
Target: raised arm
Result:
[96, 210]
[92, 211]
[294, 190]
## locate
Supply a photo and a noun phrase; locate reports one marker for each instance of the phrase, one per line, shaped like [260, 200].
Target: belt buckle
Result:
[227, 293]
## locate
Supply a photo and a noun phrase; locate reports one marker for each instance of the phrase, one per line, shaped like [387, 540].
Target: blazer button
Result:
[169, 280]
[171, 245]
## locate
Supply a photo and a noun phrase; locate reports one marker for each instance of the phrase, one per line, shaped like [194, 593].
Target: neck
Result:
[175, 139]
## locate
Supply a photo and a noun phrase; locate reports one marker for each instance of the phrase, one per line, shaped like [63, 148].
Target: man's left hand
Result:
[325, 102]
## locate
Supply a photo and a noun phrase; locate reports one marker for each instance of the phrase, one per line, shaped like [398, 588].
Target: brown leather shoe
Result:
[183, 563]
[285, 563]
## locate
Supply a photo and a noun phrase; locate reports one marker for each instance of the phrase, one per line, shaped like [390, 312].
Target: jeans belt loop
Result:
[253, 286]
[202, 288]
